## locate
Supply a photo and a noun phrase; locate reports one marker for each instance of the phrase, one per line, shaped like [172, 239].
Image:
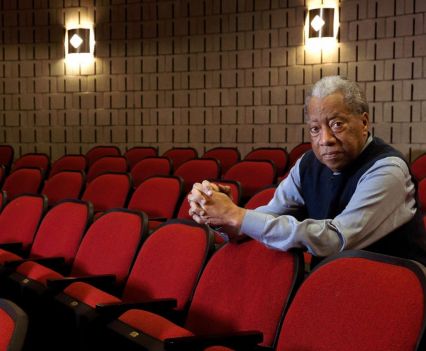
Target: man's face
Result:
[337, 135]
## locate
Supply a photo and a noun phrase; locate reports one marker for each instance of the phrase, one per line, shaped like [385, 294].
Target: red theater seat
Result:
[232, 296]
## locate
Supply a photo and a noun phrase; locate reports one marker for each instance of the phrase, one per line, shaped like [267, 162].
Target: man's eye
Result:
[314, 130]
[336, 125]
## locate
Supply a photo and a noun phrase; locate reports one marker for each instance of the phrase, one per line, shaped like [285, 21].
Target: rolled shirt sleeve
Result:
[383, 200]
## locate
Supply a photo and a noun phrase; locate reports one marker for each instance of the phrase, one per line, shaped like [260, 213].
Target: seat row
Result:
[227, 155]
[111, 285]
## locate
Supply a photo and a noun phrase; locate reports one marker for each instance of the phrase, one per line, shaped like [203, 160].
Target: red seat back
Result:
[149, 167]
[194, 171]
[109, 190]
[6, 156]
[68, 163]
[23, 181]
[297, 152]
[106, 164]
[261, 198]
[110, 244]
[157, 196]
[277, 155]
[357, 301]
[252, 175]
[20, 218]
[64, 185]
[244, 286]
[228, 156]
[169, 263]
[418, 167]
[99, 151]
[179, 155]
[137, 153]
[30, 160]
[62, 229]
[14, 326]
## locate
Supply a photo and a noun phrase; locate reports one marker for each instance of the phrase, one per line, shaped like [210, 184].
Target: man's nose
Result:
[327, 137]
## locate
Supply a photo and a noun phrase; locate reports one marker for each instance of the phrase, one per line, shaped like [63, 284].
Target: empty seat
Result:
[6, 156]
[23, 181]
[149, 167]
[14, 326]
[59, 233]
[109, 190]
[179, 155]
[64, 185]
[68, 163]
[32, 160]
[99, 151]
[386, 309]
[228, 156]
[137, 153]
[167, 266]
[297, 152]
[252, 175]
[418, 167]
[231, 296]
[261, 198]
[197, 170]
[104, 255]
[158, 197]
[19, 220]
[277, 155]
[106, 164]
[356, 301]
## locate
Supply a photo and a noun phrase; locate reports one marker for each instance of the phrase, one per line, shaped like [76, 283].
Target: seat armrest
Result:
[115, 309]
[244, 340]
[158, 219]
[55, 263]
[15, 248]
[102, 281]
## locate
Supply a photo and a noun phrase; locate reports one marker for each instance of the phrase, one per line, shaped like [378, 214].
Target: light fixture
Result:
[79, 45]
[321, 27]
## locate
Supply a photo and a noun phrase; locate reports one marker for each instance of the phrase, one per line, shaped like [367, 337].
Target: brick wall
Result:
[202, 73]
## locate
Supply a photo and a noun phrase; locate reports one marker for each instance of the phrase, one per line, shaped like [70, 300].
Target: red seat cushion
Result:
[37, 272]
[8, 256]
[153, 325]
[89, 294]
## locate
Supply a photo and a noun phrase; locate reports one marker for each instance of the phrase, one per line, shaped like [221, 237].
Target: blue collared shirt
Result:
[384, 199]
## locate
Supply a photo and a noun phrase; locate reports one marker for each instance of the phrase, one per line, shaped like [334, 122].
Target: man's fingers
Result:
[196, 209]
[196, 196]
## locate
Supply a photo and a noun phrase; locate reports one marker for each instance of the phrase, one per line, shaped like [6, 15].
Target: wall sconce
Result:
[321, 27]
[79, 45]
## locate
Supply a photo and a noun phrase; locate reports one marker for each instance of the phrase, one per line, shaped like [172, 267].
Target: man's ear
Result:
[365, 118]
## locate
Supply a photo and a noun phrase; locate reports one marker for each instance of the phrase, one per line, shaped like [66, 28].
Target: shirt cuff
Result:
[253, 223]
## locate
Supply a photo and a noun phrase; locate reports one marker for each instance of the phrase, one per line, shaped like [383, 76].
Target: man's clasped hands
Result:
[211, 203]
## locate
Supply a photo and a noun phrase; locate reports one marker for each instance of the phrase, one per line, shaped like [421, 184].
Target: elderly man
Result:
[352, 191]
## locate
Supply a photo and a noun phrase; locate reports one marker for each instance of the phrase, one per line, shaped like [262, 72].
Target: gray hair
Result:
[353, 96]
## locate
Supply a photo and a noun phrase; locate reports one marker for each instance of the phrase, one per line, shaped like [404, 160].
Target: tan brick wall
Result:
[202, 73]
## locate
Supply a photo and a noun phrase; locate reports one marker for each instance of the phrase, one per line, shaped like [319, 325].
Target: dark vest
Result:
[326, 195]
